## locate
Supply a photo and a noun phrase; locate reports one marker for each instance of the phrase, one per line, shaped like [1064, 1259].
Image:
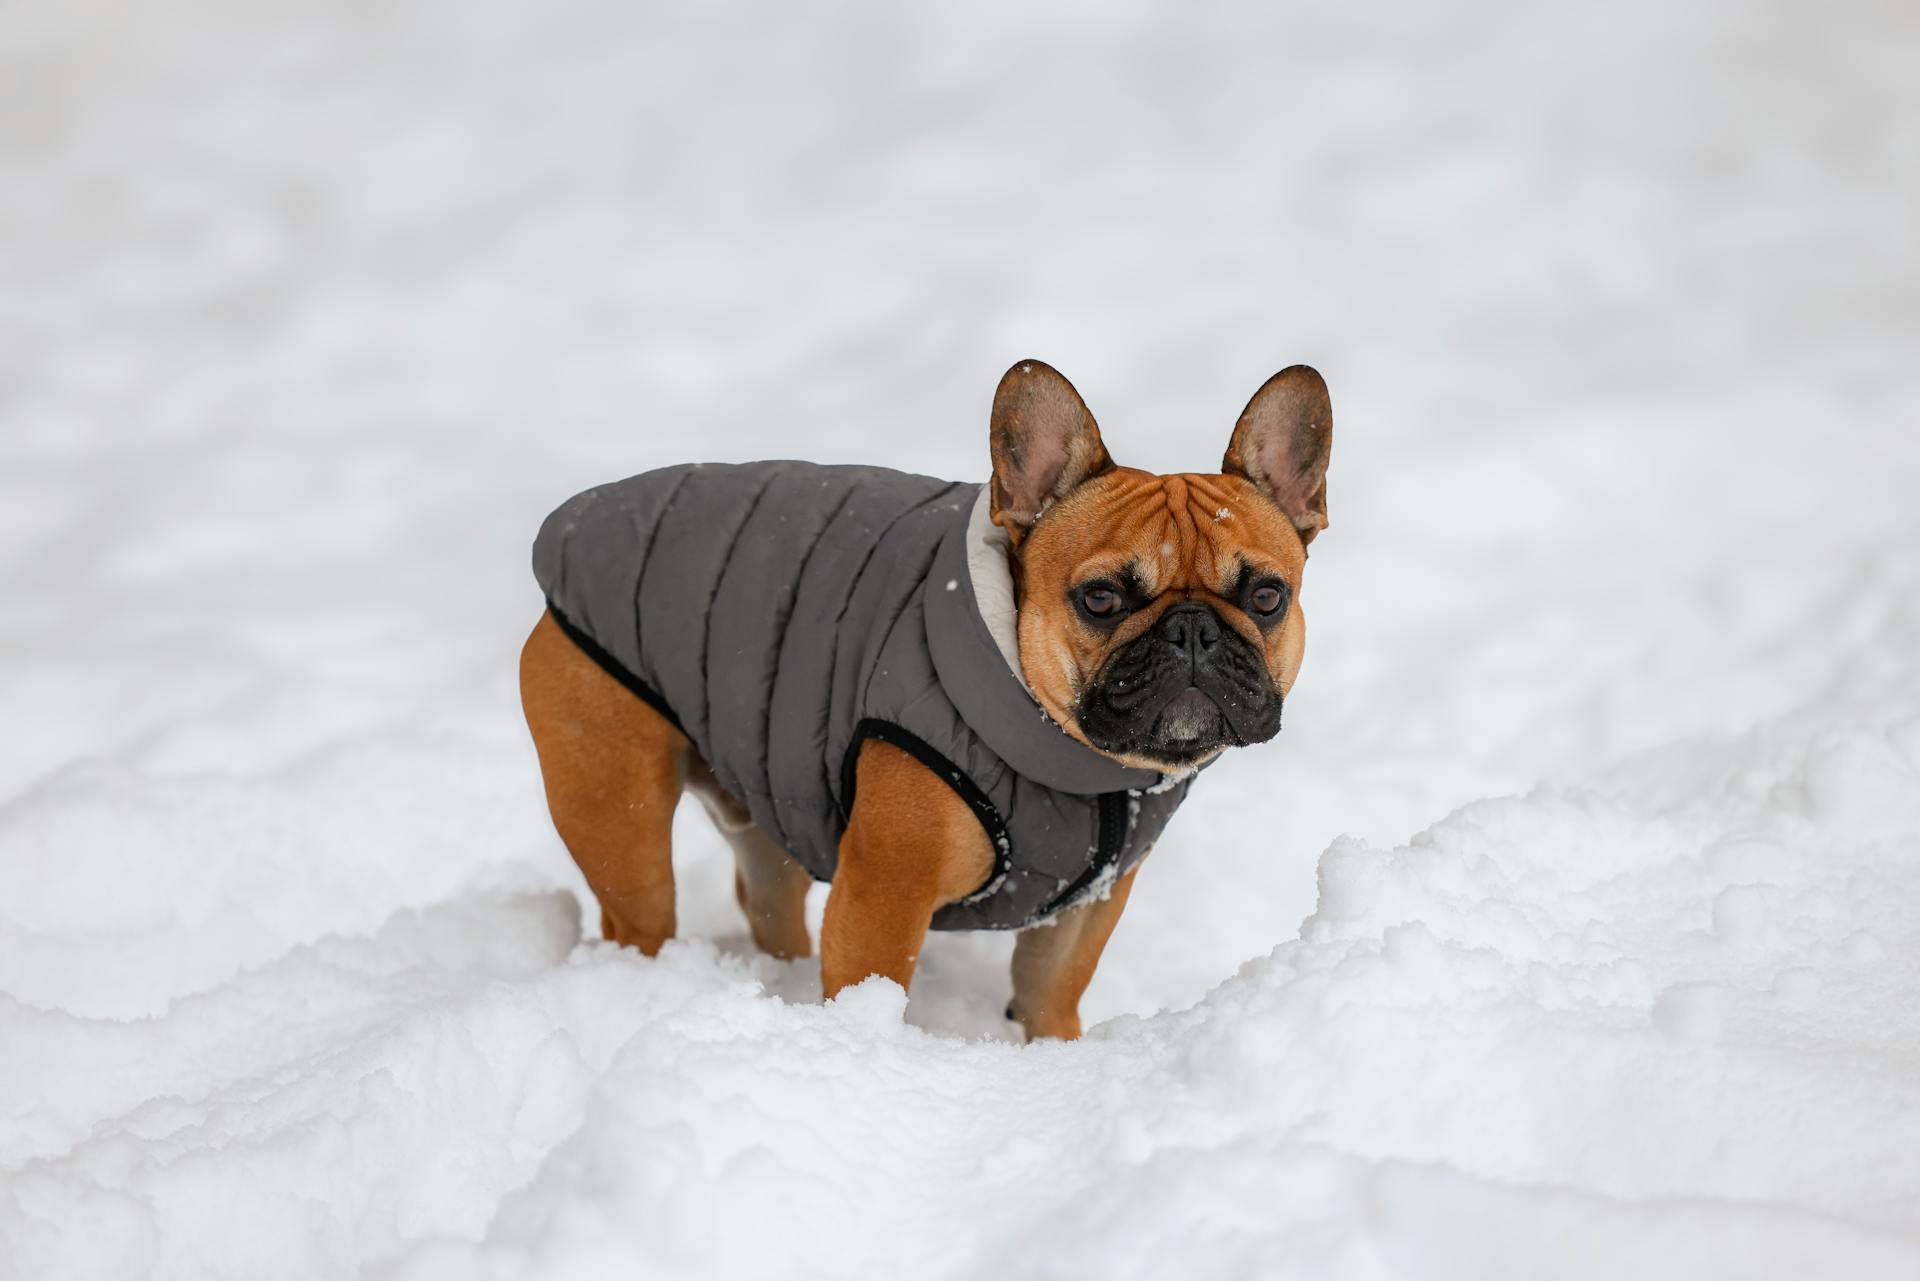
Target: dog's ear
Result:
[1045, 445]
[1282, 444]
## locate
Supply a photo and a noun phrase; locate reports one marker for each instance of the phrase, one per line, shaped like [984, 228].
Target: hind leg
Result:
[770, 886]
[613, 769]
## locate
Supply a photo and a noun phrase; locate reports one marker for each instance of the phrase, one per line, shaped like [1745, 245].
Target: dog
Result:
[967, 706]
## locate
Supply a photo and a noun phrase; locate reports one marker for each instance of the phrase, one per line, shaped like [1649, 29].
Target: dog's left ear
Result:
[1045, 445]
[1282, 444]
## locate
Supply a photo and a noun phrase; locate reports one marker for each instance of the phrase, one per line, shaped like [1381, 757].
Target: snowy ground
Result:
[1571, 929]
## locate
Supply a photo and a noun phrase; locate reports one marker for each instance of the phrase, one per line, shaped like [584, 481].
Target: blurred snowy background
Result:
[1572, 928]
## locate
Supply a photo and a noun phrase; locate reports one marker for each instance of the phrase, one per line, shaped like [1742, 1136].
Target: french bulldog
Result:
[967, 706]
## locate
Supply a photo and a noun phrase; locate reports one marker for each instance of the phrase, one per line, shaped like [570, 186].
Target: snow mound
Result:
[1661, 1015]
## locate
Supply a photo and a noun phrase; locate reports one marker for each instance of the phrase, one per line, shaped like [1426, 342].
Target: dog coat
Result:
[783, 613]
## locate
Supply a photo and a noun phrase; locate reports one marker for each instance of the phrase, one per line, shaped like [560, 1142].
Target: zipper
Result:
[1109, 842]
[1113, 831]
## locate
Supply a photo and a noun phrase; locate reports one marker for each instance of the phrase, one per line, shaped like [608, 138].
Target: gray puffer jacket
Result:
[782, 613]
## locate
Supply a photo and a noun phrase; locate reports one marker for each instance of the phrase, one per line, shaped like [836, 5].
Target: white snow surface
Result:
[1570, 929]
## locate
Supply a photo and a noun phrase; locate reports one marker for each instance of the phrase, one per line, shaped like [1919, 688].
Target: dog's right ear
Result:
[1045, 445]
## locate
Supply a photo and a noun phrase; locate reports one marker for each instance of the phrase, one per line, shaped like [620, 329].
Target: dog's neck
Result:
[991, 577]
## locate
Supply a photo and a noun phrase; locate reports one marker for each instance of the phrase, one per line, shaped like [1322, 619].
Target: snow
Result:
[1571, 928]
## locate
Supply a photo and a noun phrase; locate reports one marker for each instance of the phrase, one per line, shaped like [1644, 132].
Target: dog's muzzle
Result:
[1181, 691]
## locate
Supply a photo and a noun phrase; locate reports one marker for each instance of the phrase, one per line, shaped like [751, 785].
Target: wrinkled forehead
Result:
[1188, 530]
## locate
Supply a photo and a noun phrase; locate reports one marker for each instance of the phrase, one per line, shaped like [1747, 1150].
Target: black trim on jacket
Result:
[614, 668]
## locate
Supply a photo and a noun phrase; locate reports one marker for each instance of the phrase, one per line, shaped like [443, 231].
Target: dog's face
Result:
[1159, 616]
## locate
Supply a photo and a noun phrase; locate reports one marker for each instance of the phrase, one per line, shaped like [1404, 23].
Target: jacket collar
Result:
[972, 637]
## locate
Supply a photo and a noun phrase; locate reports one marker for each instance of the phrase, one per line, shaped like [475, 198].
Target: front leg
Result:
[911, 847]
[1052, 964]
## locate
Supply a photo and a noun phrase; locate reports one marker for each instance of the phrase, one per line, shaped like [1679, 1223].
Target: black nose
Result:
[1190, 626]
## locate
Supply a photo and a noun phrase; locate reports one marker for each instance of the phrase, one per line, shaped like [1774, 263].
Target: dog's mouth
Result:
[1188, 730]
[1190, 717]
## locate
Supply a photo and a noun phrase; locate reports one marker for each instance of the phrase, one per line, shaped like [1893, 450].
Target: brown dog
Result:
[1157, 624]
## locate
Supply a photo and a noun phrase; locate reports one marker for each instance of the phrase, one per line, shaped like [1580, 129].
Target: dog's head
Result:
[1159, 616]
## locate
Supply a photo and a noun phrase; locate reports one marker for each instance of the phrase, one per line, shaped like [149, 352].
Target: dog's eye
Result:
[1267, 598]
[1101, 602]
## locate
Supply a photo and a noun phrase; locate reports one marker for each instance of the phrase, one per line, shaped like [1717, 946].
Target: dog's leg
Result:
[1052, 964]
[911, 846]
[613, 769]
[772, 891]
[769, 885]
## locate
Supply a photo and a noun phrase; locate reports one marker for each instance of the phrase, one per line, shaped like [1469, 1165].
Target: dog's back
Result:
[748, 603]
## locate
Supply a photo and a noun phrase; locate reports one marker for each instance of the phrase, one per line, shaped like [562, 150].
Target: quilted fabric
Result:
[784, 612]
